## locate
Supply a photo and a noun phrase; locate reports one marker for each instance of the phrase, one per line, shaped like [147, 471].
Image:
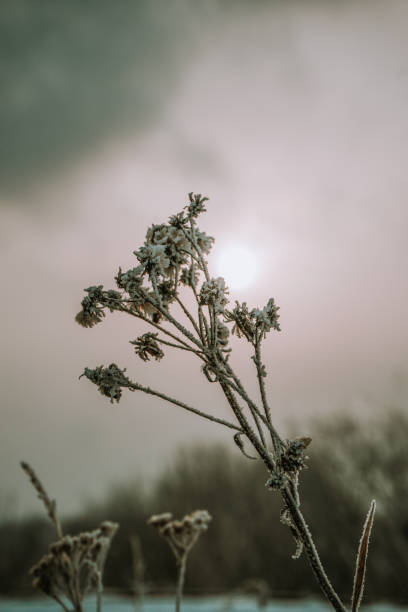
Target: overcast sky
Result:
[292, 117]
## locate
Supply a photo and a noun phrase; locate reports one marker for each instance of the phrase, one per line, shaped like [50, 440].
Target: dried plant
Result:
[138, 571]
[173, 257]
[361, 561]
[74, 564]
[258, 588]
[181, 537]
[50, 504]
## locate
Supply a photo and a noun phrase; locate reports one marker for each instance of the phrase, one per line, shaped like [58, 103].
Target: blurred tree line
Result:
[350, 464]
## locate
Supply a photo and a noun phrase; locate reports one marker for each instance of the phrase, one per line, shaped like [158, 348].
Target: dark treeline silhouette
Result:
[350, 464]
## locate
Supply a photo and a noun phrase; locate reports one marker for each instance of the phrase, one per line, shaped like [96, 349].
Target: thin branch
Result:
[153, 279]
[238, 387]
[189, 253]
[156, 325]
[149, 391]
[204, 268]
[256, 415]
[246, 427]
[189, 316]
[172, 320]
[197, 248]
[201, 317]
[183, 348]
[211, 339]
[258, 363]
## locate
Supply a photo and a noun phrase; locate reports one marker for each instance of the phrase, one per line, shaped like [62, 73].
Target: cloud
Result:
[75, 74]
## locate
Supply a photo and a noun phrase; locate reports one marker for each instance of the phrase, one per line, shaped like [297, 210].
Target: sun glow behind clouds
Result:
[239, 265]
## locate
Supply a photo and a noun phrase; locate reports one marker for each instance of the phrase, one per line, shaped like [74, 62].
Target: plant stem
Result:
[274, 435]
[189, 316]
[99, 600]
[297, 516]
[153, 324]
[150, 391]
[311, 552]
[180, 580]
[61, 603]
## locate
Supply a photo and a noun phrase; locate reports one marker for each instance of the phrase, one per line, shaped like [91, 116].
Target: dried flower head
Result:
[267, 318]
[204, 242]
[179, 220]
[167, 292]
[196, 206]
[243, 323]
[214, 292]
[92, 312]
[293, 458]
[131, 281]
[94, 303]
[146, 347]
[181, 535]
[160, 520]
[174, 241]
[109, 380]
[74, 565]
[153, 260]
[253, 324]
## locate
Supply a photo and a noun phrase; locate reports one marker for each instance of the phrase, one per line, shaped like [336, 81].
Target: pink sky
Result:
[292, 119]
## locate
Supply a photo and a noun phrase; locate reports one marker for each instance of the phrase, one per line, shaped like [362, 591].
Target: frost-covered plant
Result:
[74, 564]
[181, 537]
[173, 257]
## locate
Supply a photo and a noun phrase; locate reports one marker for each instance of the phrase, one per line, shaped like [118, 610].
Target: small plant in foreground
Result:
[171, 260]
[181, 537]
[74, 564]
[138, 571]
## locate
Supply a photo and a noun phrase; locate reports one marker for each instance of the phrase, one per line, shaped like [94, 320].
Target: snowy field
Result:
[205, 604]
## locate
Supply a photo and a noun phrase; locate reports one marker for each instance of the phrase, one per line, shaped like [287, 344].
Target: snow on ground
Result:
[203, 604]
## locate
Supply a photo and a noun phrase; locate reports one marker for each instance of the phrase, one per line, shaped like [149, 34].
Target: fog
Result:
[291, 117]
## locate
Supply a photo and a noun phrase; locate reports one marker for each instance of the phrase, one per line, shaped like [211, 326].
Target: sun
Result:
[239, 265]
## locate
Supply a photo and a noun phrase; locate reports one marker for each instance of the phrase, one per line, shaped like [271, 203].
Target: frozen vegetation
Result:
[171, 263]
